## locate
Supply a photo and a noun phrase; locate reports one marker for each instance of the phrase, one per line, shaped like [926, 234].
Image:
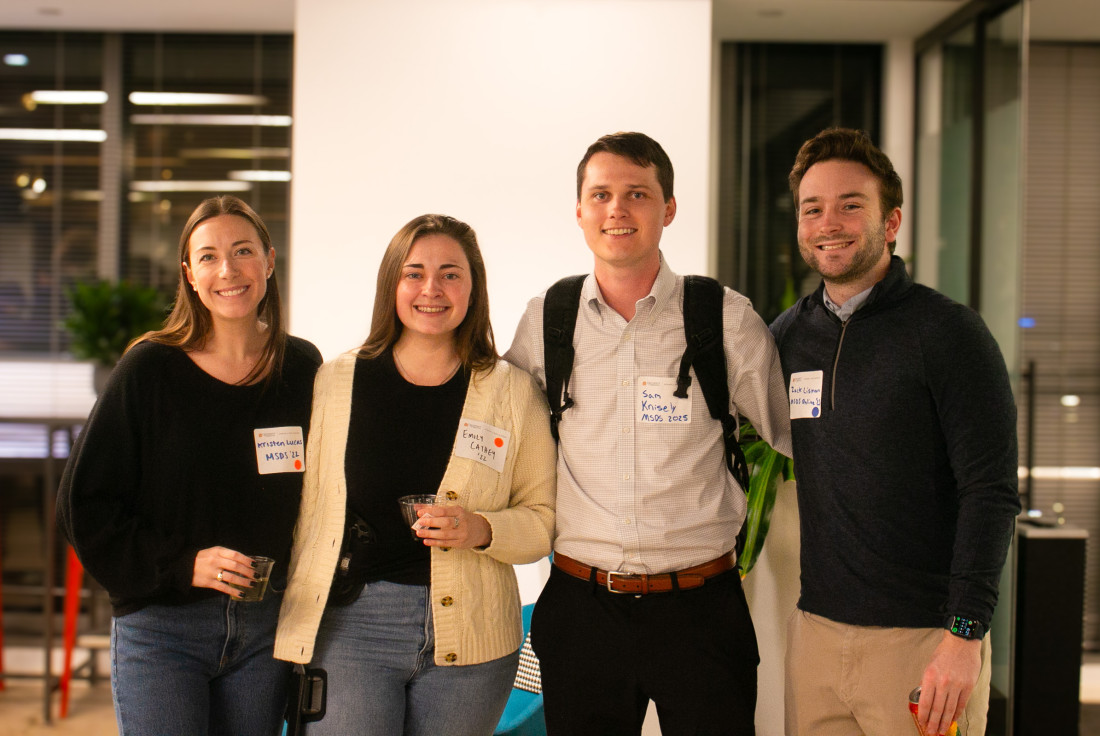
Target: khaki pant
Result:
[845, 680]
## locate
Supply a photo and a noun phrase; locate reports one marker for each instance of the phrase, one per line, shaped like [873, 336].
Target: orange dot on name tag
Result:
[297, 464]
[498, 442]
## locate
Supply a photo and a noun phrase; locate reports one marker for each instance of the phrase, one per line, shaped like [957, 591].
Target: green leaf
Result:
[106, 316]
[766, 465]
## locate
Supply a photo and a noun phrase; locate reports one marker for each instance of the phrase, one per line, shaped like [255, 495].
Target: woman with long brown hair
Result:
[189, 466]
[421, 633]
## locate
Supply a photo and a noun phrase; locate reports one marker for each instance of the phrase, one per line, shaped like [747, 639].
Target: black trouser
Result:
[605, 655]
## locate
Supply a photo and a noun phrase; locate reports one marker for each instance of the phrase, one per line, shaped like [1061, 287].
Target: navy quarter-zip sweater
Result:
[907, 481]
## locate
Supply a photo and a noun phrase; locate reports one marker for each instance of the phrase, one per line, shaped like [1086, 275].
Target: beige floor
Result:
[92, 714]
[22, 701]
[90, 711]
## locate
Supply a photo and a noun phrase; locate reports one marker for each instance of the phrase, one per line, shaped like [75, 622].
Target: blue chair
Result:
[523, 714]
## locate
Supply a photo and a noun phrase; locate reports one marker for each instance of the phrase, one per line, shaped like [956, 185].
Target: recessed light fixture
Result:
[190, 186]
[16, 59]
[68, 96]
[259, 175]
[52, 134]
[1070, 400]
[236, 153]
[275, 121]
[194, 98]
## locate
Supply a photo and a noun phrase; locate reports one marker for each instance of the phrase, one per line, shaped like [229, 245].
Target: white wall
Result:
[480, 110]
[898, 128]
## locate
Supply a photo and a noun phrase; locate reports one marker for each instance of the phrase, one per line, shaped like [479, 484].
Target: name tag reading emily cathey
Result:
[280, 450]
[482, 442]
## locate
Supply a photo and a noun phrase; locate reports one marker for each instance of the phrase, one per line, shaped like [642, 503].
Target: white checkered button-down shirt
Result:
[638, 496]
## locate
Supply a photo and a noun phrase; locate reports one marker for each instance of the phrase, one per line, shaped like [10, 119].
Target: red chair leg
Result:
[74, 578]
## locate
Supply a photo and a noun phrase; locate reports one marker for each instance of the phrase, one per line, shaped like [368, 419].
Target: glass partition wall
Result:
[775, 96]
[969, 216]
[108, 141]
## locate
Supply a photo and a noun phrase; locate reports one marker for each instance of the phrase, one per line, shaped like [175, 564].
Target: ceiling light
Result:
[1062, 473]
[1070, 400]
[190, 186]
[52, 134]
[194, 98]
[69, 96]
[259, 175]
[16, 59]
[276, 121]
[235, 153]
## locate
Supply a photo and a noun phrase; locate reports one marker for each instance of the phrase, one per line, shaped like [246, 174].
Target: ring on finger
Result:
[220, 572]
[456, 522]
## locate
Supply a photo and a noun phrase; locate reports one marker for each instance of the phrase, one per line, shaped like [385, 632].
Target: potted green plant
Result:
[105, 316]
[766, 466]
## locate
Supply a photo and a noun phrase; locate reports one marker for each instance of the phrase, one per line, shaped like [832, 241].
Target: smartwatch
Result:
[966, 628]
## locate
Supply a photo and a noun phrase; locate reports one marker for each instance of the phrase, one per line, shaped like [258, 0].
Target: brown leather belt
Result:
[641, 583]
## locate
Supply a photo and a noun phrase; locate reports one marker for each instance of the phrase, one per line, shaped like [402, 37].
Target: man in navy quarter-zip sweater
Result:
[904, 430]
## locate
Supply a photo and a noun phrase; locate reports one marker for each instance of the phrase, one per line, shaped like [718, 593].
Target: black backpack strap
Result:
[703, 298]
[559, 319]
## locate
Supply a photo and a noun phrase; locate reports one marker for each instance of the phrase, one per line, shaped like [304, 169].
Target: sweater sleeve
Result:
[98, 498]
[522, 533]
[978, 416]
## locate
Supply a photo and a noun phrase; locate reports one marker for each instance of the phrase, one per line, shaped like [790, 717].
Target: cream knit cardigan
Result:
[475, 598]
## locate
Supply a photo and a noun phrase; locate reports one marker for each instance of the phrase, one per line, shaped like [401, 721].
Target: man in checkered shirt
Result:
[644, 600]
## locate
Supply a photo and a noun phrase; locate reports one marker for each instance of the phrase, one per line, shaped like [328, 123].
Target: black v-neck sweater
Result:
[166, 466]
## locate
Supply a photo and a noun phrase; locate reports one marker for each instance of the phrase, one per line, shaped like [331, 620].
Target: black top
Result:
[907, 481]
[400, 439]
[167, 466]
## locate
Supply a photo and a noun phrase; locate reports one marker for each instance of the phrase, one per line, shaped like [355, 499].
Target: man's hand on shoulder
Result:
[948, 681]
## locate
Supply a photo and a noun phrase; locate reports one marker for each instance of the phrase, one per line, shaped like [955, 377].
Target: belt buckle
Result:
[607, 583]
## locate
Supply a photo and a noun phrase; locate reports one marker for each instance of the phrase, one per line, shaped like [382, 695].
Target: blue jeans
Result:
[382, 679]
[203, 668]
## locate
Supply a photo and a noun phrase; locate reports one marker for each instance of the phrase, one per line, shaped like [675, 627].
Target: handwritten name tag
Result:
[482, 442]
[280, 450]
[805, 395]
[657, 405]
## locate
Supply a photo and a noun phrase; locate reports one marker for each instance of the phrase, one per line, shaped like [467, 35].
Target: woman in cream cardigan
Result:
[430, 643]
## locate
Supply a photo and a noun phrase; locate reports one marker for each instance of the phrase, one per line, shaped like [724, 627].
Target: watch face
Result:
[967, 628]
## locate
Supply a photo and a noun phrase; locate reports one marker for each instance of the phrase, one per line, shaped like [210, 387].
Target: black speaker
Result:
[1050, 602]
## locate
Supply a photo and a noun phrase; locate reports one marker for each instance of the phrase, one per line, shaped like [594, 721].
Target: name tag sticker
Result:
[805, 394]
[482, 442]
[657, 405]
[280, 450]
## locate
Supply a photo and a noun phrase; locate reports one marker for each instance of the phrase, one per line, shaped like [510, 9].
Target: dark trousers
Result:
[605, 655]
